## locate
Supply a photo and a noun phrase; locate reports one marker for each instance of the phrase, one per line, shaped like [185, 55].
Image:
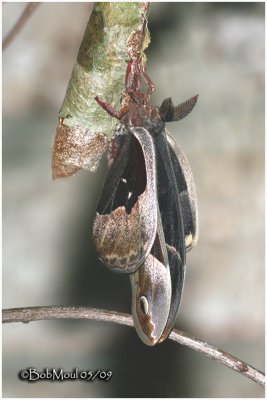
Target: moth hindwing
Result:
[151, 291]
[187, 192]
[188, 207]
[126, 220]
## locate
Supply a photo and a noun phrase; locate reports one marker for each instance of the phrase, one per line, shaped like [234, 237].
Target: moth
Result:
[139, 225]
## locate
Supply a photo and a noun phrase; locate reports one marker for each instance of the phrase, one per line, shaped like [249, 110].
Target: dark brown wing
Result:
[126, 221]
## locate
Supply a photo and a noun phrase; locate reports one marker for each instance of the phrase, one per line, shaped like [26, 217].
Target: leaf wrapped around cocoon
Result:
[84, 128]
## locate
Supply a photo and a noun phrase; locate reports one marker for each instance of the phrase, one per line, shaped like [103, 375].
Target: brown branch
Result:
[27, 12]
[54, 312]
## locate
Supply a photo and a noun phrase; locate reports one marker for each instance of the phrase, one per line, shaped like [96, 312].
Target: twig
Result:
[27, 12]
[53, 312]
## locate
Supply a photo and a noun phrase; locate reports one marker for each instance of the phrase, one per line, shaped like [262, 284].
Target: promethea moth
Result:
[147, 216]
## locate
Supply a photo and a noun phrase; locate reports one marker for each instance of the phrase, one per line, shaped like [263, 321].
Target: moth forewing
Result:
[126, 220]
[187, 192]
[177, 270]
[151, 292]
[118, 159]
[172, 222]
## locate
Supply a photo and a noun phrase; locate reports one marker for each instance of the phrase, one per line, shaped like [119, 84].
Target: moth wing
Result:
[177, 269]
[126, 220]
[168, 196]
[187, 192]
[187, 199]
[172, 222]
[118, 160]
[151, 292]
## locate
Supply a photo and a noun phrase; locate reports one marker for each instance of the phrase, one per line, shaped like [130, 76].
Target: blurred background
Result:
[215, 50]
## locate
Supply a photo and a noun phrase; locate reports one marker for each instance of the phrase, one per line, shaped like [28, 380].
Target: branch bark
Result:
[27, 12]
[28, 314]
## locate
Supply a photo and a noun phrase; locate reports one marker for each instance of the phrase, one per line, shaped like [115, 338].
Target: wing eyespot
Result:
[144, 305]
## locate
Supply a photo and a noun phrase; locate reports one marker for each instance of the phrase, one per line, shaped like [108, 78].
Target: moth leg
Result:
[110, 110]
[169, 113]
[132, 77]
[148, 81]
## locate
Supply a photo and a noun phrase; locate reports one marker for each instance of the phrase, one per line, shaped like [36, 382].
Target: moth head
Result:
[151, 294]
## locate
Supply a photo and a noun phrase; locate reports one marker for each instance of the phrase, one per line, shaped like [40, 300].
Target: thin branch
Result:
[27, 12]
[54, 312]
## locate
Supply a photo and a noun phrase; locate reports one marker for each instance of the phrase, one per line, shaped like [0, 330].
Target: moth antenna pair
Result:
[169, 113]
